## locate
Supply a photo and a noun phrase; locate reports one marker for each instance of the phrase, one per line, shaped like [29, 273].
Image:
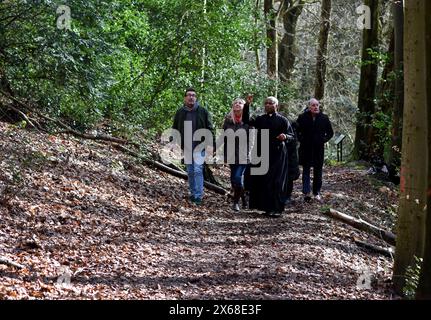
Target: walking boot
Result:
[236, 196]
[235, 207]
[244, 199]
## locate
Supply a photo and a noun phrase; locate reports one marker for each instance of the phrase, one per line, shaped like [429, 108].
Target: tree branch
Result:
[8, 262]
[362, 225]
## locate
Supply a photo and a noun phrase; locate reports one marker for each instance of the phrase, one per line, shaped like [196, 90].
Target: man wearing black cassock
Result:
[267, 191]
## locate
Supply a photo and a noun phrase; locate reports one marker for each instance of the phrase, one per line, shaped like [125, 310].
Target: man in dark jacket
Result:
[188, 119]
[314, 130]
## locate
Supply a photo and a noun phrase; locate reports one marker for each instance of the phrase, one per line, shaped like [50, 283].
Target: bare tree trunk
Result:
[203, 54]
[256, 45]
[411, 214]
[385, 98]
[424, 288]
[397, 119]
[325, 24]
[385, 90]
[367, 86]
[271, 34]
[291, 11]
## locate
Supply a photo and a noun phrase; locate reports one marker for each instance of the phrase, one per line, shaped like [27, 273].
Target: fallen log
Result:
[165, 168]
[67, 129]
[389, 251]
[362, 225]
[118, 144]
[9, 262]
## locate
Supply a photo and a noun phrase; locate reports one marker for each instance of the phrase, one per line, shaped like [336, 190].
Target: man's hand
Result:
[249, 99]
[210, 151]
[282, 137]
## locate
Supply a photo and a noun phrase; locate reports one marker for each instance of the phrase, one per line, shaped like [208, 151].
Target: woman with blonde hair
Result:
[236, 152]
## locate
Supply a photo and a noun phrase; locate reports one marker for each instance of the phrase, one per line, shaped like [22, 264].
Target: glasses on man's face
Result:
[191, 95]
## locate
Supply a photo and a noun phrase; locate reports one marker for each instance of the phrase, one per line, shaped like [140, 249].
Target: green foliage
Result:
[376, 57]
[128, 62]
[334, 163]
[412, 279]
[382, 124]
[325, 209]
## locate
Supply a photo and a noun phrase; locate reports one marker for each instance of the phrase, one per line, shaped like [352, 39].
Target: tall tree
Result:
[385, 97]
[424, 288]
[290, 12]
[204, 9]
[325, 24]
[367, 85]
[398, 103]
[385, 89]
[411, 217]
[271, 34]
[255, 34]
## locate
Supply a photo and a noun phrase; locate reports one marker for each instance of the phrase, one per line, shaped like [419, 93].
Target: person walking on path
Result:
[188, 119]
[314, 130]
[237, 152]
[267, 191]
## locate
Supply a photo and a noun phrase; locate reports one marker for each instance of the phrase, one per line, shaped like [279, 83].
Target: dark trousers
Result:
[306, 179]
[289, 188]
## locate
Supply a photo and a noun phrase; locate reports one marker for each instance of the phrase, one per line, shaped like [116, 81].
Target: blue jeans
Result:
[237, 174]
[306, 180]
[195, 172]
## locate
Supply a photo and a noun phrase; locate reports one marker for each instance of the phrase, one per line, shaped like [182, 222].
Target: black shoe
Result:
[244, 199]
[197, 202]
[318, 197]
[275, 215]
[235, 207]
[307, 197]
[288, 202]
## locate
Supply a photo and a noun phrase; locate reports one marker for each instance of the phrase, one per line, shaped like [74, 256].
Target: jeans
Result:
[195, 172]
[317, 180]
[237, 174]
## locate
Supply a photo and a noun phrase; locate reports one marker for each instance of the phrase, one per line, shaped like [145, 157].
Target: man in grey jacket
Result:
[188, 119]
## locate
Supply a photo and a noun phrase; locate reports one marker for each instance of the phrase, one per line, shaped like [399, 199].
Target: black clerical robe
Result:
[267, 192]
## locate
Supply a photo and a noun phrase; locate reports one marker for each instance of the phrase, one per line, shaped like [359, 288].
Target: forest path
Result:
[126, 231]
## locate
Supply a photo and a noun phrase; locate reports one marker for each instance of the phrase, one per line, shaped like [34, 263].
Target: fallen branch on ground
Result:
[69, 130]
[165, 168]
[66, 128]
[32, 122]
[360, 224]
[9, 262]
[119, 144]
[389, 251]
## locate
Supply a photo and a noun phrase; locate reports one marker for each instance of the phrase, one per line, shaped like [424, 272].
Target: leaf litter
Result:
[89, 222]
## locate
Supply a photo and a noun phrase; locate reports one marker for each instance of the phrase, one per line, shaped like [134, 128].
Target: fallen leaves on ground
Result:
[88, 222]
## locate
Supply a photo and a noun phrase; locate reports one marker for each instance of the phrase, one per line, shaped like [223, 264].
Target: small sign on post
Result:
[339, 144]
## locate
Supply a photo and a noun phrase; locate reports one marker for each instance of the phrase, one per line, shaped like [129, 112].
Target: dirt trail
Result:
[125, 231]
